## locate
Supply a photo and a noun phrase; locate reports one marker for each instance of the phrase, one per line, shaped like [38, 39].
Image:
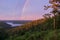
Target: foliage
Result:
[41, 29]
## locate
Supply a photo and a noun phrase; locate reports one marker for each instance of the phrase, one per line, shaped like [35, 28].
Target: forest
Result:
[47, 28]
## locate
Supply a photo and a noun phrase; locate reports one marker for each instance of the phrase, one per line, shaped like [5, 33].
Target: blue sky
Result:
[22, 9]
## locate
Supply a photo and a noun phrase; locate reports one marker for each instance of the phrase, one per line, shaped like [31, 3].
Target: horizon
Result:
[22, 9]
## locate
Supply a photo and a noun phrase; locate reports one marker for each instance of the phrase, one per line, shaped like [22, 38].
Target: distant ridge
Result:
[28, 25]
[4, 25]
[16, 21]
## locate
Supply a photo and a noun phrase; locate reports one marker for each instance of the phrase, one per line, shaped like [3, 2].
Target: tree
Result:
[56, 10]
[47, 16]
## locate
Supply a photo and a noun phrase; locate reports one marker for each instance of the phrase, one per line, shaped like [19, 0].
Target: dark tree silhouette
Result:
[47, 15]
[56, 10]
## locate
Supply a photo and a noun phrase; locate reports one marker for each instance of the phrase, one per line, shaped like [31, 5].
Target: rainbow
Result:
[25, 5]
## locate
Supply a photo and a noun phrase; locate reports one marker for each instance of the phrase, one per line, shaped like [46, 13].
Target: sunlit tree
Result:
[56, 9]
[55, 4]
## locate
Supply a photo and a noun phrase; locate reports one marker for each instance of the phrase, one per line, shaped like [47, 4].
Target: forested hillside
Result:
[42, 29]
[47, 28]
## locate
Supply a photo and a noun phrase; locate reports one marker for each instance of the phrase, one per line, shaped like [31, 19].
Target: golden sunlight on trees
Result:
[56, 10]
[47, 28]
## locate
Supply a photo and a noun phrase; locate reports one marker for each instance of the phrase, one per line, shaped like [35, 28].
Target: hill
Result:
[41, 29]
[35, 30]
[4, 25]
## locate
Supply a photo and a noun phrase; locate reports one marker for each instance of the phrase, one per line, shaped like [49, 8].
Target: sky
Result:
[22, 9]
